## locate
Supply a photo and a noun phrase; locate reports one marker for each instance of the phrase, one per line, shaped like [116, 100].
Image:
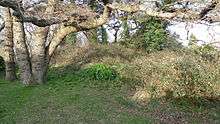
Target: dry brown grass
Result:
[160, 74]
[179, 77]
[72, 55]
[172, 74]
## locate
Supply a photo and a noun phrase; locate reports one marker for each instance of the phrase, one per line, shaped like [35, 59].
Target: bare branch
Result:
[65, 30]
[175, 13]
[80, 17]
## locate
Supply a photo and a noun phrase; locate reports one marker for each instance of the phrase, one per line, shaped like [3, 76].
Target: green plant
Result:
[165, 2]
[104, 35]
[125, 33]
[70, 38]
[92, 35]
[100, 72]
[151, 36]
[155, 36]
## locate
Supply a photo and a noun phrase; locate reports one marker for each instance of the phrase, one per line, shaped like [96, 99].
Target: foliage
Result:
[71, 38]
[162, 73]
[92, 35]
[207, 52]
[71, 96]
[100, 72]
[193, 80]
[165, 2]
[150, 37]
[104, 35]
[193, 40]
[2, 64]
[93, 5]
[178, 75]
[154, 34]
[125, 33]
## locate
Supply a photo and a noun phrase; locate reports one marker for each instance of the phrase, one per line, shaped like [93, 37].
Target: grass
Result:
[72, 96]
[66, 99]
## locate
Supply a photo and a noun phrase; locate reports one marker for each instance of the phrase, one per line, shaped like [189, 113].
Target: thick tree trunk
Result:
[10, 74]
[39, 64]
[40, 58]
[22, 53]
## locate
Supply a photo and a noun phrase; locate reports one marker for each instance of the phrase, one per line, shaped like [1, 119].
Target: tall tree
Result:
[22, 53]
[34, 63]
[8, 48]
[70, 18]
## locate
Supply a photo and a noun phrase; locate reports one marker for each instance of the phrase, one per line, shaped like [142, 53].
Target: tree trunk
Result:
[39, 64]
[10, 74]
[22, 53]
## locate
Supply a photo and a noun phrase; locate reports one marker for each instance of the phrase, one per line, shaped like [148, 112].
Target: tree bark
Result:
[10, 69]
[22, 53]
[39, 55]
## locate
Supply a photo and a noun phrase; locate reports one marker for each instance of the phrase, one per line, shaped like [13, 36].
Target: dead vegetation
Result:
[173, 86]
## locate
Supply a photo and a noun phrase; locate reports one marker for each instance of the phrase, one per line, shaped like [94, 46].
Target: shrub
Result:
[177, 75]
[207, 52]
[193, 80]
[151, 36]
[154, 34]
[100, 72]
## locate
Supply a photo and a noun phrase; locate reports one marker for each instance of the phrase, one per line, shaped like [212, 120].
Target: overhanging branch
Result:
[76, 16]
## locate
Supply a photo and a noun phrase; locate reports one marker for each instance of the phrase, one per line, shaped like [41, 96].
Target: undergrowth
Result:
[72, 95]
[99, 72]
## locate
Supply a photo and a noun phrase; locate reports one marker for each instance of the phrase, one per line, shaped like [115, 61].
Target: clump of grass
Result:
[100, 72]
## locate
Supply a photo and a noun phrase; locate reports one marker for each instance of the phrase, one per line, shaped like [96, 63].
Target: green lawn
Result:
[68, 98]
[65, 100]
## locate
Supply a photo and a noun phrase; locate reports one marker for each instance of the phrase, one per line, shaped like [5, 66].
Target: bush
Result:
[177, 75]
[193, 80]
[155, 36]
[207, 52]
[2, 64]
[151, 37]
[100, 72]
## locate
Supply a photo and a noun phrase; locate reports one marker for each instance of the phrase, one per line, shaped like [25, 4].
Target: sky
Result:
[204, 33]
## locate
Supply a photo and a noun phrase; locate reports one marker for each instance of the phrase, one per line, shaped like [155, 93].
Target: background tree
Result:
[69, 18]
[10, 69]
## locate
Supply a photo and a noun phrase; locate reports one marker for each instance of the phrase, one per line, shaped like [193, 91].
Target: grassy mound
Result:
[128, 87]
